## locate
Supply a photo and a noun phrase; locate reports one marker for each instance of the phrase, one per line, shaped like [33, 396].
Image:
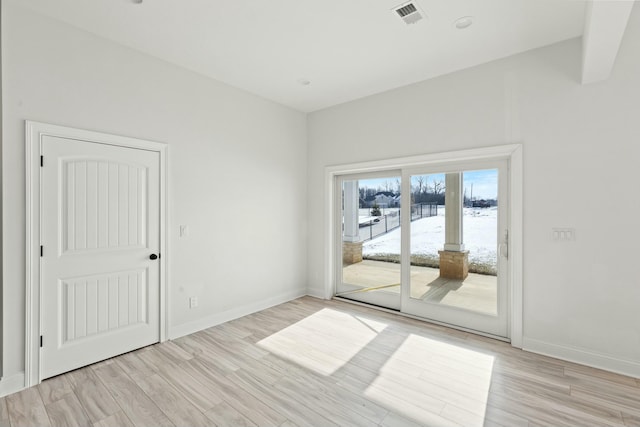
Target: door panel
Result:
[103, 205]
[370, 249]
[100, 223]
[93, 305]
[456, 275]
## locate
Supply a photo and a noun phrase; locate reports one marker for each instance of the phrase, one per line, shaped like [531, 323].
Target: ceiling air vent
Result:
[409, 13]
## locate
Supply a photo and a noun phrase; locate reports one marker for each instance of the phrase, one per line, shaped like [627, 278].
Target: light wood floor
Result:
[326, 363]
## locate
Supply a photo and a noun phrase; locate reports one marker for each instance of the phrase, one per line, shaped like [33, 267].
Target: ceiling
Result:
[346, 49]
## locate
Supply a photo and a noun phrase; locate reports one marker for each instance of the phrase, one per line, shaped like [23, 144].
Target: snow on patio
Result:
[427, 237]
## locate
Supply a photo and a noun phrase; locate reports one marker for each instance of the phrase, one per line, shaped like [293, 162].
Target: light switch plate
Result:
[193, 302]
[563, 234]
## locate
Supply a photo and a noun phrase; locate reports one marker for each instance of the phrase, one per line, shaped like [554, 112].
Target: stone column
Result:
[454, 260]
[351, 244]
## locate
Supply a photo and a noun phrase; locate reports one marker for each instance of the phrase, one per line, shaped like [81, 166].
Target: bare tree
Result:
[420, 181]
[437, 187]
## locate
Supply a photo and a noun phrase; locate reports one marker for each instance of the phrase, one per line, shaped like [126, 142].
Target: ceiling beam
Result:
[605, 23]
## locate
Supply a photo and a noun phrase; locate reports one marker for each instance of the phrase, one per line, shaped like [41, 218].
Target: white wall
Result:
[237, 167]
[1, 303]
[581, 153]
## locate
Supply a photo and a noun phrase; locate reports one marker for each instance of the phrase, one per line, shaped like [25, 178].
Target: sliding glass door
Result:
[369, 239]
[428, 241]
[456, 258]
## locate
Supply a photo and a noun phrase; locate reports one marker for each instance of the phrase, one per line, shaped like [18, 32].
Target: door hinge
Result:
[40, 341]
[41, 250]
[41, 161]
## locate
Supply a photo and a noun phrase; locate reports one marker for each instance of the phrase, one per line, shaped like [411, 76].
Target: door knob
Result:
[153, 256]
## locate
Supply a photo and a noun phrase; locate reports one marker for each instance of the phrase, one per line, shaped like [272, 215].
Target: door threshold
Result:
[422, 319]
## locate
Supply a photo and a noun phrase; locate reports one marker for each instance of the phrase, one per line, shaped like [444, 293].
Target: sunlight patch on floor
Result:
[434, 383]
[311, 344]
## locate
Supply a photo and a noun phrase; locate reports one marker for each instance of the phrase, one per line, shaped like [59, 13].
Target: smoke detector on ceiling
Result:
[409, 12]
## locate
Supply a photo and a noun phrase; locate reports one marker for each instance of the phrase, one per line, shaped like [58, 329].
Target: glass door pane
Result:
[370, 240]
[455, 272]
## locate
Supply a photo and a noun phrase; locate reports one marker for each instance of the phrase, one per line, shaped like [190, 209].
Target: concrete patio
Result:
[478, 292]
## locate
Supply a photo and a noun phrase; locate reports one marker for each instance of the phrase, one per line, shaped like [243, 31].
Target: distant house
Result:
[384, 199]
[482, 203]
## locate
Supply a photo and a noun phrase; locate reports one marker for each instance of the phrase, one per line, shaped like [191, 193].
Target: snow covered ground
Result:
[427, 237]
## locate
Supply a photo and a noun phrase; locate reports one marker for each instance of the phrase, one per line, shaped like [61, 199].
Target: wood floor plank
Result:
[341, 397]
[394, 420]
[200, 395]
[67, 412]
[463, 417]
[119, 419]
[232, 344]
[153, 357]
[239, 358]
[212, 353]
[364, 407]
[26, 409]
[189, 345]
[92, 394]
[300, 414]
[244, 402]
[547, 411]
[329, 407]
[224, 414]
[505, 417]
[616, 403]
[630, 420]
[630, 393]
[134, 366]
[54, 389]
[235, 330]
[138, 407]
[564, 403]
[595, 375]
[4, 413]
[173, 352]
[179, 410]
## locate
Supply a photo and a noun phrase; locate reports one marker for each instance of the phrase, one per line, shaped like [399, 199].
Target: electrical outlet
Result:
[193, 302]
[184, 230]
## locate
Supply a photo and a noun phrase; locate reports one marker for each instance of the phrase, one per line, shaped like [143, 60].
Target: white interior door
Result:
[100, 236]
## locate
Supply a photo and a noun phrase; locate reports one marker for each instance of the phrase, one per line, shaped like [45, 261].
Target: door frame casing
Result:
[34, 133]
[511, 152]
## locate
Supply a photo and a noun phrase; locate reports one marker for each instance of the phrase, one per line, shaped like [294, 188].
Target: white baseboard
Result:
[12, 384]
[316, 292]
[218, 318]
[583, 357]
